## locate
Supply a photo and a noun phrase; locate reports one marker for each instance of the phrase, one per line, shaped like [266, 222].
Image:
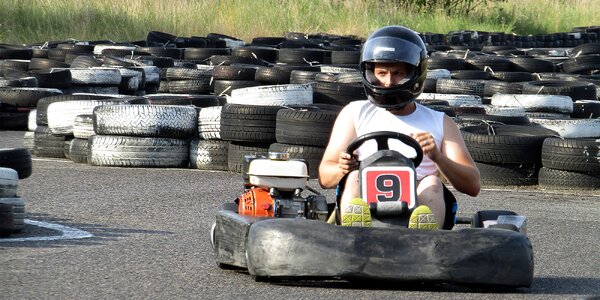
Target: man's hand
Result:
[425, 139]
[347, 162]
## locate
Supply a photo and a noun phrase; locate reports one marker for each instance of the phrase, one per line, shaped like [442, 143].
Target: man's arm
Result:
[455, 162]
[336, 163]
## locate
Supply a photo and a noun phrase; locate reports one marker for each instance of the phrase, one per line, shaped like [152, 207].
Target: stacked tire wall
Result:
[527, 105]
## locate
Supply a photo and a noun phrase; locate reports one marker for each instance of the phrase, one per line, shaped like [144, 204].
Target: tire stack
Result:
[570, 163]
[143, 135]
[227, 78]
[207, 150]
[250, 129]
[189, 80]
[16, 103]
[248, 120]
[506, 155]
[304, 132]
[56, 118]
[95, 80]
[15, 164]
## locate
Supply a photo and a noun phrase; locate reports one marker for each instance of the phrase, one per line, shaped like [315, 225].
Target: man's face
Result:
[390, 74]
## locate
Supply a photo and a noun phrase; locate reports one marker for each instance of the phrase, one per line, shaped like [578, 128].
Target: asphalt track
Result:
[150, 240]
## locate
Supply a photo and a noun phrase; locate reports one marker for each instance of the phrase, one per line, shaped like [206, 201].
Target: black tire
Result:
[204, 53]
[312, 155]
[209, 154]
[495, 63]
[273, 75]
[162, 51]
[46, 144]
[575, 155]
[237, 151]
[15, 52]
[226, 60]
[471, 74]
[169, 121]
[85, 61]
[513, 144]
[513, 76]
[448, 63]
[60, 79]
[131, 151]
[79, 150]
[492, 87]
[201, 86]
[508, 174]
[586, 64]
[249, 123]
[311, 126]
[18, 159]
[577, 90]
[175, 74]
[302, 77]
[482, 119]
[6, 219]
[459, 86]
[303, 56]
[586, 109]
[532, 65]
[14, 120]
[21, 82]
[224, 87]
[338, 93]
[553, 179]
[12, 213]
[46, 64]
[234, 72]
[27, 97]
[175, 99]
[268, 54]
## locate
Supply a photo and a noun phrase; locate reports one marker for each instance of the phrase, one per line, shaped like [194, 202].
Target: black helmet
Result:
[394, 44]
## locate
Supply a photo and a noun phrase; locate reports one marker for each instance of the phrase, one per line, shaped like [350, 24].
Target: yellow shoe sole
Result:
[356, 214]
[422, 218]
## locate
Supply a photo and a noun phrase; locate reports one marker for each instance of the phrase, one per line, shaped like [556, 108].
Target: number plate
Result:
[389, 183]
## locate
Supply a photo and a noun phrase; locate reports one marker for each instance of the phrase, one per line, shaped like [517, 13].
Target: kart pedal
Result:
[356, 214]
[422, 218]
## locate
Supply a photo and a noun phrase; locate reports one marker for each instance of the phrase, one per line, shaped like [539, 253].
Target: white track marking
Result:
[68, 233]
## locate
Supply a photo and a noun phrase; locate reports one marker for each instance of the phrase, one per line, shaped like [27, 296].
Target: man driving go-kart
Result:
[393, 67]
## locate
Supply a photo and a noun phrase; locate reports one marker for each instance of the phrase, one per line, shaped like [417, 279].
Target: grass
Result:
[29, 21]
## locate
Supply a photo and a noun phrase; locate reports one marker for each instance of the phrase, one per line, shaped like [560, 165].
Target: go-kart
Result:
[276, 233]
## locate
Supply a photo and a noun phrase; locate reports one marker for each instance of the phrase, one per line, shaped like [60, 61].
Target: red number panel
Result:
[388, 184]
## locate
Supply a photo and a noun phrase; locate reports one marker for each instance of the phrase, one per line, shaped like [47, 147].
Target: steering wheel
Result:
[381, 137]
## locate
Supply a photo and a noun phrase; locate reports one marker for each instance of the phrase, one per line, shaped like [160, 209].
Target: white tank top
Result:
[370, 118]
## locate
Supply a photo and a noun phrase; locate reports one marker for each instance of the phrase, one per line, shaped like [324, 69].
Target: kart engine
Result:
[273, 188]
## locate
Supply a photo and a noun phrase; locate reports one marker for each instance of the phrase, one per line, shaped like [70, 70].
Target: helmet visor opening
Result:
[388, 75]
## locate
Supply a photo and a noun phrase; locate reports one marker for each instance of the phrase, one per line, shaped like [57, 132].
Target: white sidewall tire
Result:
[284, 94]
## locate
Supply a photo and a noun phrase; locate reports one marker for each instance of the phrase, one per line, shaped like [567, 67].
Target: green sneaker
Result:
[356, 214]
[422, 218]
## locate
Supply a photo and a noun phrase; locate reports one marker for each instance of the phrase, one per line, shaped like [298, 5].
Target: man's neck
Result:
[405, 111]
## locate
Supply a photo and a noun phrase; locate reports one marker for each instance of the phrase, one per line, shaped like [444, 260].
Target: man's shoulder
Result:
[429, 110]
